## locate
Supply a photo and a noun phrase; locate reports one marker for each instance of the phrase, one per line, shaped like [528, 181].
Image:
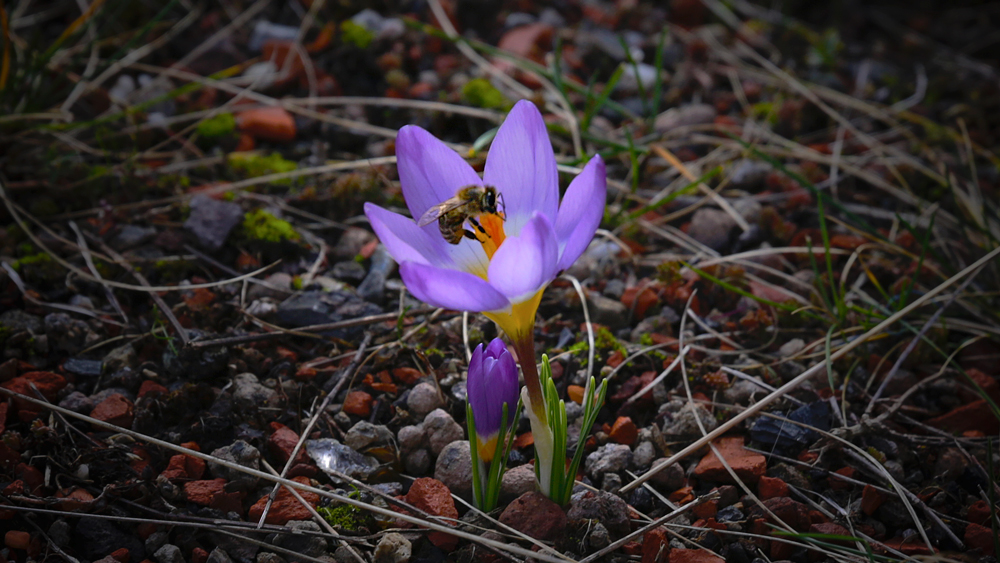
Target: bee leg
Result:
[470, 235]
[475, 223]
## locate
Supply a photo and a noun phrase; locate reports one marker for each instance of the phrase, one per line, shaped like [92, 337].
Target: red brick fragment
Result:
[116, 409]
[771, 487]
[748, 466]
[358, 403]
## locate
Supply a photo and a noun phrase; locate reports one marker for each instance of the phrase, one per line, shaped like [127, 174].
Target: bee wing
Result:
[435, 212]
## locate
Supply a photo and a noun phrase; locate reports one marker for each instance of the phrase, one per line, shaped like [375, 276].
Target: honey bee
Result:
[468, 203]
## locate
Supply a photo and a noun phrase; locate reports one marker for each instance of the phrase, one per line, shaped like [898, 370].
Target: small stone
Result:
[219, 555]
[624, 431]
[249, 395]
[669, 478]
[411, 438]
[358, 403]
[265, 31]
[77, 402]
[685, 116]
[130, 236]
[418, 462]
[116, 409]
[748, 466]
[119, 358]
[423, 398]
[348, 270]
[212, 220]
[712, 227]
[643, 455]
[441, 430]
[454, 468]
[606, 508]
[364, 435]
[308, 545]
[169, 553]
[611, 313]
[950, 464]
[740, 392]
[871, 499]
[241, 453]
[333, 457]
[609, 458]
[791, 348]
[535, 515]
[518, 481]
[271, 557]
[684, 423]
[393, 548]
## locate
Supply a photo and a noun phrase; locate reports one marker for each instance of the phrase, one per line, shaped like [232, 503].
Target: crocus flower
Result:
[492, 382]
[502, 276]
[520, 250]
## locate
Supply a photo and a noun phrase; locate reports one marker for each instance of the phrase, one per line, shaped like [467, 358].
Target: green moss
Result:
[356, 34]
[605, 340]
[254, 164]
[479, 92]
[262, 226]
[218, 126]
[346, 517]
[646, 339]
[34, 259]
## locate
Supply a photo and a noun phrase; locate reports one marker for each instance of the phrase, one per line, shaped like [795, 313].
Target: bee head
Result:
[490, 199]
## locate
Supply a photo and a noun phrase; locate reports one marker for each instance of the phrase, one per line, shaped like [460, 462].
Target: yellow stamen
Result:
[494, 237]
[487, 448]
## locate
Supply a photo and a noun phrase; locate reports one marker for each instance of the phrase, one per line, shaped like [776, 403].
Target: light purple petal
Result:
[404, 240]
[507, 386]
[581, 211]
[526, 263]
[429, 171]
[407, 242]
[451, 289]
[522, 166]
[495, 348]
[476, 367]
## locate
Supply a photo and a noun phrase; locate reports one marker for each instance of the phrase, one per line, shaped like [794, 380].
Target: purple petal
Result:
[495, 348]
[407, 242]
[508, 387]
[451, 289]
[526, 263]
[522, 166]
[429, 171]
[404, 240]
[581, 211]
[476, 367]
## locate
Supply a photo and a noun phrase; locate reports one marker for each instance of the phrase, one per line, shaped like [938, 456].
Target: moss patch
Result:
[479, 92]
[356, 35]
[218, 126]
[262, 226]
[254, 164]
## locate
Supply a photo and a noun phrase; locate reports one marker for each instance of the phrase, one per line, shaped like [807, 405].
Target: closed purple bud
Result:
[492, 382]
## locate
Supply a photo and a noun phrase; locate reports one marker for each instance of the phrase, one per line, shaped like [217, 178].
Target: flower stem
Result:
[524, 345]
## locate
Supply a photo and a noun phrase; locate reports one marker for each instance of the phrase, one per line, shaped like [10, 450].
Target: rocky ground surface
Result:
[185, 260]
